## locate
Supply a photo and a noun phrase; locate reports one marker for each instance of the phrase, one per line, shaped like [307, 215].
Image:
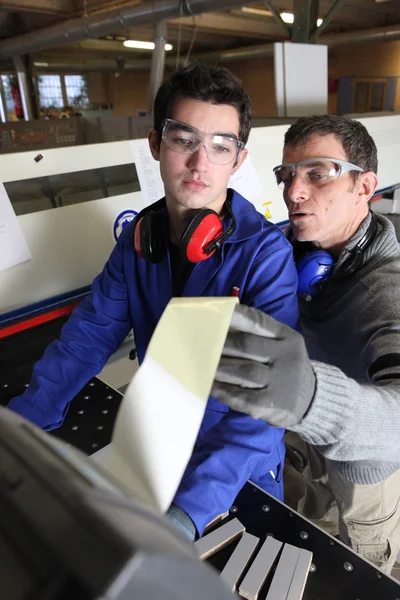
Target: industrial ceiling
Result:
[86, 33]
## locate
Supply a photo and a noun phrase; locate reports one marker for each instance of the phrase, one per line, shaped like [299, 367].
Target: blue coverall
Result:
[133, 293]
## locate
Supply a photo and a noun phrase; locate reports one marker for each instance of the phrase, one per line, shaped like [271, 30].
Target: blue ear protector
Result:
[313, 270]
[314, 267]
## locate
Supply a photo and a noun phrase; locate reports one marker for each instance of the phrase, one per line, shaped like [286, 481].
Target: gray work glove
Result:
[264, 370]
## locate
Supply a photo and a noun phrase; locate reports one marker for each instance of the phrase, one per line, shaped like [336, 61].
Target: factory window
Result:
[377, 95]
[50, 91]
[65, 189]
[369, 96]
[8, 81]
[76, 89]
[58, 91]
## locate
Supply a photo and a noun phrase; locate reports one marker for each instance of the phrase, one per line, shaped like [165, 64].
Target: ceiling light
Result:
[41, 64]
[287, 17]
[256, 11]
[144, 45]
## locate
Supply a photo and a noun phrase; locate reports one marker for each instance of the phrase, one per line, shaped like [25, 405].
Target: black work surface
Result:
[88, 426]
[263, 515]
[90, 419]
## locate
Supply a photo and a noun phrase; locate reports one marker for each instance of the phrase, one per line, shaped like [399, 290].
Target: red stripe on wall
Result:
[34, 321]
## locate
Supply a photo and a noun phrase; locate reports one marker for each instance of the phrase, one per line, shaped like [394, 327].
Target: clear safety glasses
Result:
[221, 148]
[314, 171]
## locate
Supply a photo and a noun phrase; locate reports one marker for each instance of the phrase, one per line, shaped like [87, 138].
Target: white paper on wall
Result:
[148, 170]
[246, 181]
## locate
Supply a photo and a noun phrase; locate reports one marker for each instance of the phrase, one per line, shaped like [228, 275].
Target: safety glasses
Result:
[221, 148]
[313, 171]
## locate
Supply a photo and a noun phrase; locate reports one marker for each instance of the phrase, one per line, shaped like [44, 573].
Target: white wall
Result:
[70, 245]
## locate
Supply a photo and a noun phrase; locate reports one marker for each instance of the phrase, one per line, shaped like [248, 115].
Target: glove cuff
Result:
[308, 388]
[329, 415]
[182, 521]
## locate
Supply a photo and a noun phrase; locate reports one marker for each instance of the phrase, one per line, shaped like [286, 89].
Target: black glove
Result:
[264, 370]
[182, 521]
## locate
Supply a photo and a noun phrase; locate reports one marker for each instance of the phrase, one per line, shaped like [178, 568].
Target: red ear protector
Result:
[201, 238]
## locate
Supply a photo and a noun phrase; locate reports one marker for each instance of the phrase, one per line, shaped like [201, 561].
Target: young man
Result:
[341, 390]
[201, 125]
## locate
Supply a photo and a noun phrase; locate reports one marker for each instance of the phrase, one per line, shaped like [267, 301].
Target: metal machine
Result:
[68, 532]
[68, 204]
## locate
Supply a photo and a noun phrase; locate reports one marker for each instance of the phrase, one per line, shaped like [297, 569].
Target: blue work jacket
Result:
[133, 293]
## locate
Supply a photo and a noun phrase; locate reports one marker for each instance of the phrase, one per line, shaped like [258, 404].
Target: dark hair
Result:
[213, 84]
[359, 146]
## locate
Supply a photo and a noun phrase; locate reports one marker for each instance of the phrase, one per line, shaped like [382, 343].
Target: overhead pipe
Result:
[157, 63]
[98, 25]
[255, 51]
[98, 66]
[378, 34]
[145, 64]
[332, 40]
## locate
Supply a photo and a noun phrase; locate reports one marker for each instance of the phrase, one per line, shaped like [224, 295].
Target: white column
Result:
[301, 79]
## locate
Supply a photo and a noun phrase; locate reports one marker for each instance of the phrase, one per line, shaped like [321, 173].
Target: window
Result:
[57, 91]
[76, 90]
[369, 96]
[53, 191]
[7, 91]
[50, 91]
[376, 96]
[361, 97]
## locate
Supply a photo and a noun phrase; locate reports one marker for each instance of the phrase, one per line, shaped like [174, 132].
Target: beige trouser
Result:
[366, 517]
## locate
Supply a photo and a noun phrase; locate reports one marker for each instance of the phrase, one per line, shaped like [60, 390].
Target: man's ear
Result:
[240, 160]
[367, 184]
[154, 143]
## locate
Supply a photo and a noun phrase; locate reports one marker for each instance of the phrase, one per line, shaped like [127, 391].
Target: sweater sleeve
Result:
[349, 421]
[353, 421]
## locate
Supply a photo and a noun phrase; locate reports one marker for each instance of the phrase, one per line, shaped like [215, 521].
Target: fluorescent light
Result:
[144, 45]
[139, 45]
[256, 11]
[40, 64]
[287, 17]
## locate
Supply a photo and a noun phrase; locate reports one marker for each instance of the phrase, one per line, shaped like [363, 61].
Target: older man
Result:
[340, 390]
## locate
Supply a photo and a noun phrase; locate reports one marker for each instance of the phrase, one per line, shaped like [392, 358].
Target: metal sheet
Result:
[336, 571]
[219, 538]
[239, 560]
[259, 570]
[284, 573]
[300, 575]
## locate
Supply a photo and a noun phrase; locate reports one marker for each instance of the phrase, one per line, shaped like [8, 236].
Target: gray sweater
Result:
[352, 333]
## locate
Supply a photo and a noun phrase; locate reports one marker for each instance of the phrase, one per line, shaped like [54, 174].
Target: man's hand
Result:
[264, 370]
